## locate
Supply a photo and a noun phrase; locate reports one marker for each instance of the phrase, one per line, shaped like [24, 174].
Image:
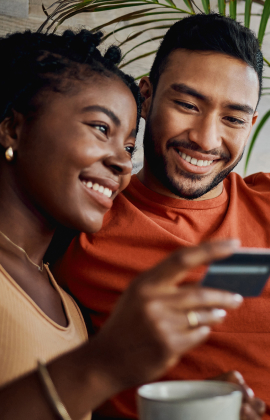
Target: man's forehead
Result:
[210, 71]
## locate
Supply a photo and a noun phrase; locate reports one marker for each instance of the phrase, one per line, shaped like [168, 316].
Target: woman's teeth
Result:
[194, 161]
[99, 188]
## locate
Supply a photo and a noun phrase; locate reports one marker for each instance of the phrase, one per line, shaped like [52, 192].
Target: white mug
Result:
[189, 400]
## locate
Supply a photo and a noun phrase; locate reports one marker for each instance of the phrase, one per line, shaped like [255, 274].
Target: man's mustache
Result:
[190, 145]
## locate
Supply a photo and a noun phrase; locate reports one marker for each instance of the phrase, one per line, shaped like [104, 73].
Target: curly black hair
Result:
[32, 62]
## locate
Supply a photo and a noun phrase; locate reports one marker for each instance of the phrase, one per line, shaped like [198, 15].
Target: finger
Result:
[203, 317]
[181, 341]
[236, 378]
[186, 299]
[247, 413]
[174, 269]
[252, 407]
[174, 322]
[258, 405]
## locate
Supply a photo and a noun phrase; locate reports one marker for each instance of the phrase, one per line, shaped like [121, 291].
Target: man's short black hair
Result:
[212, 32]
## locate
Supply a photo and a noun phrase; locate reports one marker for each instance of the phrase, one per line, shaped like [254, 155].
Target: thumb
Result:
[174, 269]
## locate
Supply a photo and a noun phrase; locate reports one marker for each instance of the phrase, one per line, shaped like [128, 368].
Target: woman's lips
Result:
[99, 193]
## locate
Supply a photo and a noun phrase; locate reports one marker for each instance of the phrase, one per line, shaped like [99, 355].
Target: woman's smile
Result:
[85, 167]
[101, 190]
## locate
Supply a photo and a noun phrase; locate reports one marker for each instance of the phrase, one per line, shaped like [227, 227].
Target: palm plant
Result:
[146, 16]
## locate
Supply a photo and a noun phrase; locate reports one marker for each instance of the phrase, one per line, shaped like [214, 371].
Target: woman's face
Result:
[74, 156]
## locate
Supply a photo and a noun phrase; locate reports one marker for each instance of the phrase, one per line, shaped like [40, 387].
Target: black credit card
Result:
[245, 272]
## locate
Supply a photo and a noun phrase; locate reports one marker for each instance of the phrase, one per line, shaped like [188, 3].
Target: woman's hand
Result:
[147, 333]
[253, 408]
[149, 329]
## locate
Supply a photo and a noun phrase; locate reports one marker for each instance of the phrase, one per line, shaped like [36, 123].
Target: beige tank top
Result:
[27, 334]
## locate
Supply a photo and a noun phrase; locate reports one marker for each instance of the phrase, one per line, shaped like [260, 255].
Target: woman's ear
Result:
[10, 129]
[146, 90]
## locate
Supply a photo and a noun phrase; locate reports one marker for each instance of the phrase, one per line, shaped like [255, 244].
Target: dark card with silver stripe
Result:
[245, 272]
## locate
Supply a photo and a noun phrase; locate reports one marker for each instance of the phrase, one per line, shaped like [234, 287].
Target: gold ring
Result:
[192, 318]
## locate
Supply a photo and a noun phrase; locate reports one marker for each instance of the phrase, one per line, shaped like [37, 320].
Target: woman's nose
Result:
[119, 161]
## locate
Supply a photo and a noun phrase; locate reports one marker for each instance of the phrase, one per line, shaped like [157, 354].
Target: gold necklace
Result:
[40, 268]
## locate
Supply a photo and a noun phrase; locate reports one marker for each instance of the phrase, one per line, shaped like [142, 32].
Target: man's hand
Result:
[252, 407]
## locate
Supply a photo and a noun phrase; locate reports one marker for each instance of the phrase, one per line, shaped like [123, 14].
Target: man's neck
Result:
[150, 181]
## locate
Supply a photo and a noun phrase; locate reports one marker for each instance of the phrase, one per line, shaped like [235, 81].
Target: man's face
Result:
[198, 122]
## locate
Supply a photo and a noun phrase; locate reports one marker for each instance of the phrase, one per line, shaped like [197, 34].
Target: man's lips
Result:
[198, 155]
[196, 162]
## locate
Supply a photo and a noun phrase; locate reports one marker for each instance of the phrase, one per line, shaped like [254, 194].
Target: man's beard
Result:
[158, 164]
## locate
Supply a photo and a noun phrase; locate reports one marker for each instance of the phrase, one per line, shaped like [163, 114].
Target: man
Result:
[200, 106]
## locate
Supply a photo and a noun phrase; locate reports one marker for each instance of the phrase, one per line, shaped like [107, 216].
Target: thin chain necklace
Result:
[40, 268]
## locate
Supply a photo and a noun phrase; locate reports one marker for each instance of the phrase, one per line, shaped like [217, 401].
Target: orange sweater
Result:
[140, 230]
[27, 334]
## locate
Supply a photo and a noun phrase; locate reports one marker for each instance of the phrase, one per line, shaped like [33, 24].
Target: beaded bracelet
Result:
[51, 393]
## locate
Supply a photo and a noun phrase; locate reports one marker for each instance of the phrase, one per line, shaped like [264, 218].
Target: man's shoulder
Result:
[253, 181]
[253, 189]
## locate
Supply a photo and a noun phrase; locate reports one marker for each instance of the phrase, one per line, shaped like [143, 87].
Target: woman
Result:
[67, 132]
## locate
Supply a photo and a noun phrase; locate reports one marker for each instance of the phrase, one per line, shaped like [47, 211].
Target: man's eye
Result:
[130, 149]
[235, 121]
[186, 105]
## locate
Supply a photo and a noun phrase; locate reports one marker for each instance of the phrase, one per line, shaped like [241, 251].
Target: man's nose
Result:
[205, 133]
[119, 161]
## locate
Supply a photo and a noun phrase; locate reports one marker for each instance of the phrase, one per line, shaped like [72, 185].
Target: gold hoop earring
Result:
[9, 154]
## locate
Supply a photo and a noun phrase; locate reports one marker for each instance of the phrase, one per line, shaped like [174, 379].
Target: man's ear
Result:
[10, 129]
[254, 118]
[146, 90]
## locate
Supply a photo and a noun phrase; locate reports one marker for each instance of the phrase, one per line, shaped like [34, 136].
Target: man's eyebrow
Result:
[239, 107]
[182, 88]
[106, 111]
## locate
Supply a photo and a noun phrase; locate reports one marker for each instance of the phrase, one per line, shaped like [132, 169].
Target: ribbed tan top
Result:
[27, 334]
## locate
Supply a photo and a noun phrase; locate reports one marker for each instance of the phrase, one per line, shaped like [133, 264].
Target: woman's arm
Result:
[145, 336]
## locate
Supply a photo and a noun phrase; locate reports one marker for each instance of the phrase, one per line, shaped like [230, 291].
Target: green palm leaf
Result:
[133, 25]
[248, 4]
[232, 6]
[206, 6]
[189, 5]
[138, 58]
[264, 20]
[254, 138]
[222, 7]
[141, 43]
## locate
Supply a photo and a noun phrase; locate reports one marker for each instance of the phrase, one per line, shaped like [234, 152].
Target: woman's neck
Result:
[24, 226]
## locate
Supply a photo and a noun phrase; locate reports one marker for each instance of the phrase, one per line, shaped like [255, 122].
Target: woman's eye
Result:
[102, 128]
[130, 149]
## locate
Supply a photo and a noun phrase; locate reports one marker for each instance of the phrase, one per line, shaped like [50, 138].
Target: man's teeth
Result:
[194, 161]
[97, 187]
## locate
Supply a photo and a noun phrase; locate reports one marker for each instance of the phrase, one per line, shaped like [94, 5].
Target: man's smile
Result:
[195, 162]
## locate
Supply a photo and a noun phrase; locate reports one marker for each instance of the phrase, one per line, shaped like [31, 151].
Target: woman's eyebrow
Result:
[106, 111]
[133, 133]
